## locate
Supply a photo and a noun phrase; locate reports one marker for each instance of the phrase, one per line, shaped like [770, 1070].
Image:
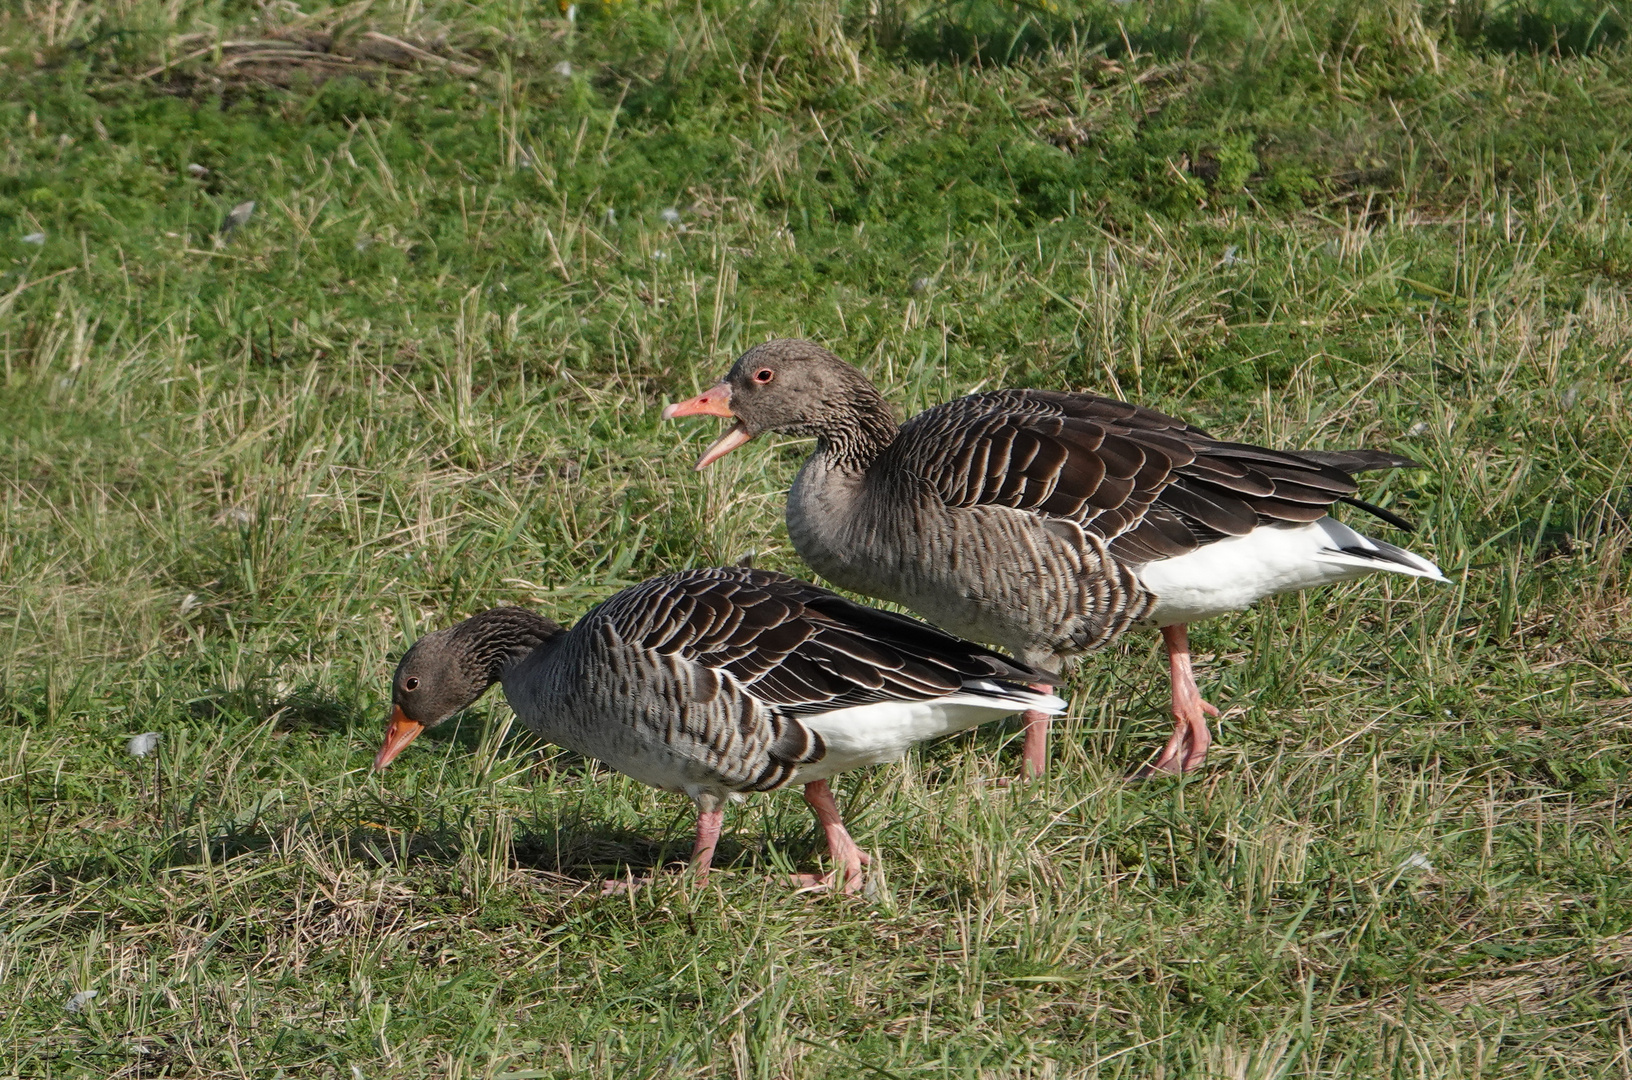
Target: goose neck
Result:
[497, 640]
[857, 436]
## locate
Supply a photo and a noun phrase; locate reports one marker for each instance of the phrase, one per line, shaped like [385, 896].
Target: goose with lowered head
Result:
[1049, 523]
[719, 682]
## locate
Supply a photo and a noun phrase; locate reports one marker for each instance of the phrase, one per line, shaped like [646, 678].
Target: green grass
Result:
[241, 472]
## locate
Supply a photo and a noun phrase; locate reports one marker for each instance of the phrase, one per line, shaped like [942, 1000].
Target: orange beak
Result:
[398, 734]
[715, 401]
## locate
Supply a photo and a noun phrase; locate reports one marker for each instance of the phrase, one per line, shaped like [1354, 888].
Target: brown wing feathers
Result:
[798, 647]
[794, 648]
[1153, 486]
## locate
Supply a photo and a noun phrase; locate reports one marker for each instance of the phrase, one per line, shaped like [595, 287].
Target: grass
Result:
[241, 471]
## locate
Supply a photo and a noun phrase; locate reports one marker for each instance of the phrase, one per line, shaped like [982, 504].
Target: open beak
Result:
[734, 437]
[398, 734]
[715, 401]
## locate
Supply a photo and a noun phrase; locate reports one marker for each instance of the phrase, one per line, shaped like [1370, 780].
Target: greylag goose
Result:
[718, 682]
[1049, 523]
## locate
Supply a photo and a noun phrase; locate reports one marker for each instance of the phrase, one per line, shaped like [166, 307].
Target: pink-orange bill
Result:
[398, 734]
[715, 401]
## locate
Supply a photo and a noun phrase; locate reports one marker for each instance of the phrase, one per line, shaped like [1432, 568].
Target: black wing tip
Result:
[1385, 554]
[1356, 461]
[1378, 512]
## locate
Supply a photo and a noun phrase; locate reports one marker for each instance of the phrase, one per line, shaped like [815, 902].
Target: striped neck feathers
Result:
[448, 670]
[852, 433]
[490, 642]
[799, 388]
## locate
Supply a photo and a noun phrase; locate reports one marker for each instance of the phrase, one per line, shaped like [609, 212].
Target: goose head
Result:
[792, 387]
[446, 671]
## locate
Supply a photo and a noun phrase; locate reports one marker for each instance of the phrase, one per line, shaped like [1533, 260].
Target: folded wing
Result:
[1151, 486]
[736, 656]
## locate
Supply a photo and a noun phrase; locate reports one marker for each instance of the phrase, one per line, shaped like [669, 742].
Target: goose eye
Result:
[410, 683]
[764, 375]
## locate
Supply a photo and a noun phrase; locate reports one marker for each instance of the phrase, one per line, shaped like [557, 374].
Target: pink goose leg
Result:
[1034, 751]
[847, 857]
[709, 823]
[708, 838]
[1187, 748]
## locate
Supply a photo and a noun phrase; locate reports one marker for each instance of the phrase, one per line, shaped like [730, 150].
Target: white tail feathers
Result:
[1352, 549]
[884, 730]
[990, 694]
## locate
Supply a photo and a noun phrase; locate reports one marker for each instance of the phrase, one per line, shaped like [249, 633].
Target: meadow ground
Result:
[242, 467]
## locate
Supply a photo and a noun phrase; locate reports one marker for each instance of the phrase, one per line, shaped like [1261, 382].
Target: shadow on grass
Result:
[573, 857]
[309, 708]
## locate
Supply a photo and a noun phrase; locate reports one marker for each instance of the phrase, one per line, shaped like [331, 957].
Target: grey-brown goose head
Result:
[447, 670]
[796, 388]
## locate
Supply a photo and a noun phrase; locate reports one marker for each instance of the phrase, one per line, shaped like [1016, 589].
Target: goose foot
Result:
[848, 857]
[854, 879]
[1186, 750]
[625, 886]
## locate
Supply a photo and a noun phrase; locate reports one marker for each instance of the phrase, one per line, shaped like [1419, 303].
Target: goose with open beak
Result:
[1050, 523]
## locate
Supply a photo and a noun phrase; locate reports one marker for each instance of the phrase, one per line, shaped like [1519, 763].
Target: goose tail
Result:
[990, 693]
[1345, 546]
